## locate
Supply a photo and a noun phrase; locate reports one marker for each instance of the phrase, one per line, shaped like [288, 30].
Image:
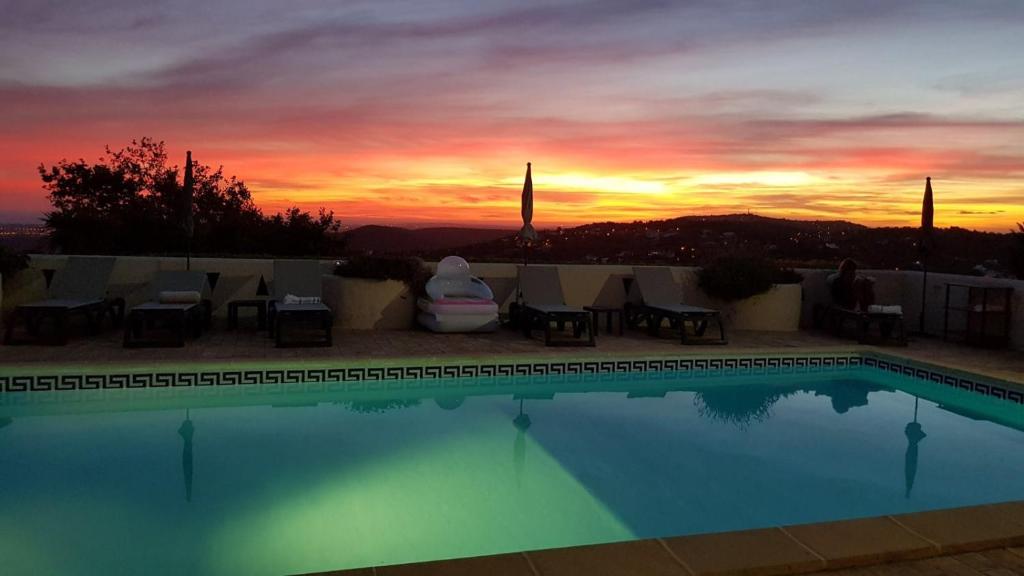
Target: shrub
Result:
[733, 278]
[11, 262]
[412, 271]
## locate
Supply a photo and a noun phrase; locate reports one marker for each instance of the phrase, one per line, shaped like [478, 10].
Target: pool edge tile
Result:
[766, 552]
[628, 558]
[861, 541]
[970, 528]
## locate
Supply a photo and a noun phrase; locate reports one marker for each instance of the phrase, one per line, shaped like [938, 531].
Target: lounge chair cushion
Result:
[682, 309]
[179, 297]
[65, 303]
[163, 306]
[555, 309]
[293, 299]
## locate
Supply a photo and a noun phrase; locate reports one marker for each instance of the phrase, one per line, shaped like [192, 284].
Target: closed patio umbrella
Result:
[188, 199]
[925, 243]
[527, 234]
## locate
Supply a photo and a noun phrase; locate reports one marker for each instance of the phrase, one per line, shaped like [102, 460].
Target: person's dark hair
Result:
[848, 266]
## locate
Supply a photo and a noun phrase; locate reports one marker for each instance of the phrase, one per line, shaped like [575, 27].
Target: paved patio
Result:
[220, 344]
[996, 562]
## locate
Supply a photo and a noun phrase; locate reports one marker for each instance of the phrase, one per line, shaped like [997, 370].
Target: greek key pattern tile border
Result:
[976, 384]
[371, 374]
[375, 377]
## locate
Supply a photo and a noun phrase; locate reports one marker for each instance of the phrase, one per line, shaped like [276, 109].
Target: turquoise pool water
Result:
[292, 479]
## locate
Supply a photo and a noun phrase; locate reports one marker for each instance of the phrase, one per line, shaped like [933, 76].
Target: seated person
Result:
[851, 290]
[855, 294]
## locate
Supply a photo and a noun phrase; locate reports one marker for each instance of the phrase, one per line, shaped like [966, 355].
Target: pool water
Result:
[285, 480]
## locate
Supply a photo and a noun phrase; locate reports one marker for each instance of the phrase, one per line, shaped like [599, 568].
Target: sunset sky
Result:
[423, 112]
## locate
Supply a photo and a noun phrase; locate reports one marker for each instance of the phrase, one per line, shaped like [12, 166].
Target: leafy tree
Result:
[131, 202]
[1017, 258]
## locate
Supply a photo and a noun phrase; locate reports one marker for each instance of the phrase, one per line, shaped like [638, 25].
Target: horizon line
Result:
[513, 226]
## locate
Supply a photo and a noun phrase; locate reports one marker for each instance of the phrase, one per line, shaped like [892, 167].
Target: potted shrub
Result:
[10, 264]
[753, 293]
[375, 292]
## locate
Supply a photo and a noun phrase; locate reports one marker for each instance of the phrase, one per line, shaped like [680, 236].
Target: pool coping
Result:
[795, 549]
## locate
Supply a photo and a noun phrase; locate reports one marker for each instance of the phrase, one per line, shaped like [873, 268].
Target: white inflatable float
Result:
[457, 301]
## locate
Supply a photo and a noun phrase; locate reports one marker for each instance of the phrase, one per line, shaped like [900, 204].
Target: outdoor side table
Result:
[982, 314]
[608, 312]
[260, 304]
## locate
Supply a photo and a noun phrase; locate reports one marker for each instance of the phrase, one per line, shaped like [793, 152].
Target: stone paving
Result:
[996, 562]
[245, 344]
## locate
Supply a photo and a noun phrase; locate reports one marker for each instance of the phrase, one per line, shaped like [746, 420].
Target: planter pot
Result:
[776, 310]
[363, 304]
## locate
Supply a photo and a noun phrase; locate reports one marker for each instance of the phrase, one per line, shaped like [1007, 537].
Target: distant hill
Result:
[394, 240]
[695, 240]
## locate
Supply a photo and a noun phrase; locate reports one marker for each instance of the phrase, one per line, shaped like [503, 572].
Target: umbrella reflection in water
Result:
[186, 431]
[522, 424]
[914, 435]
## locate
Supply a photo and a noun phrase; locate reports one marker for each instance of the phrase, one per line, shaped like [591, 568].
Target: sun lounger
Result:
[297, 292]
[661, 299]
[80, 288]
[180, 304]
[544, 303]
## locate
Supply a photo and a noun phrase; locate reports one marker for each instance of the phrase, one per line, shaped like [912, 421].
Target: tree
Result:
[130, 202]
[1017, 258]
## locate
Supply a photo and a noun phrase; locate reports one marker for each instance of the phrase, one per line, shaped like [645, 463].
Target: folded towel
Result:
[293, 299]
[179, 297]
[879, 309]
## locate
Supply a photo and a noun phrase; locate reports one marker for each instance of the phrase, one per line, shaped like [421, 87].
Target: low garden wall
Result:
[389, 305]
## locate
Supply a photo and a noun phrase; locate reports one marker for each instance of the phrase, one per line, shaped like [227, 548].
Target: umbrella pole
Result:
[924, 294]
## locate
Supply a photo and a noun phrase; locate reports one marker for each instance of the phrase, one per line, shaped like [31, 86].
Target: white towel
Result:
[879, 309]
[293, 299]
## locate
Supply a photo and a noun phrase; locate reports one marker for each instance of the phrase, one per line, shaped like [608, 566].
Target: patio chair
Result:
[661, 299]
[80, 288]
[296, 301]
[180, 303]
[544, 304]
[888, 319]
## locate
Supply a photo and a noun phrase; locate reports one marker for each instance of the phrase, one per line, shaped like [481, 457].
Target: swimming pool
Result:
[321, 474]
